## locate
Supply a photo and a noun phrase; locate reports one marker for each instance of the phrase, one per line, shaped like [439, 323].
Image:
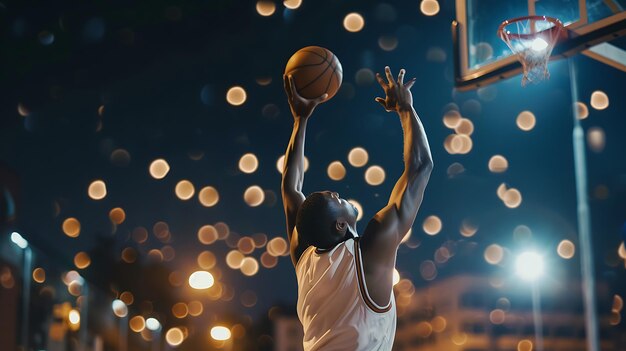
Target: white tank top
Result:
[334, 306]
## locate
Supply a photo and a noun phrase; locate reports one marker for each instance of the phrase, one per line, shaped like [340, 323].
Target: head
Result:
[324, 219]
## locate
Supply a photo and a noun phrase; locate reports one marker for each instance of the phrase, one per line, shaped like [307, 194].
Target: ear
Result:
[341, 225]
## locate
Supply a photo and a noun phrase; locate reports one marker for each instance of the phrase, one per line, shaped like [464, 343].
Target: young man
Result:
[345, 288]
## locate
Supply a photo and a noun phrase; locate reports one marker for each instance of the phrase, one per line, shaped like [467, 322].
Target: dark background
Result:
[161, 70]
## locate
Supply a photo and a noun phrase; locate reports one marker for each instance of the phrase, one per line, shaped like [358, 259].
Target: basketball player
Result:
[345, 289]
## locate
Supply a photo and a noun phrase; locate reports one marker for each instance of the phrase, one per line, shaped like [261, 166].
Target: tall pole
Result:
[156, 339]
[536, 300]
[123, 346]
[84, 317]
[28, 258]
[584, 220]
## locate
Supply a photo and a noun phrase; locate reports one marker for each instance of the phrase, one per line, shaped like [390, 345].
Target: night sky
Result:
[79, 81]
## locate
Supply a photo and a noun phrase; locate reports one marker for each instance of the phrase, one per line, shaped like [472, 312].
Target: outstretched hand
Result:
[300, 107]
[398, 96]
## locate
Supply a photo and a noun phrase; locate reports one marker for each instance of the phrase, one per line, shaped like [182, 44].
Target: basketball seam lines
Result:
[315, 53]
[318, 77]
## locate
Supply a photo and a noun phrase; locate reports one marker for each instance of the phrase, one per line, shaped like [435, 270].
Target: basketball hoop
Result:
[532, 39]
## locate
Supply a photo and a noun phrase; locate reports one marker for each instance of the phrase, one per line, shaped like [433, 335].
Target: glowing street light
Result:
[201, 280]
[220, 333]
[153, 324]
[155, 327]
[529, 265]
[19, 240]
[119, 308]
[27, 254]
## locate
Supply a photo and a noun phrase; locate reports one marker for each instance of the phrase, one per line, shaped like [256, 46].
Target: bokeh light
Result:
[236, 96]
[39, 275]
[248, 163]
[195, 308]
[464, 127]
[452, 118]
[525, 345]
[246, 245]
[497, 316]
[117, 215]
[432, 225]
[512, 198]
[254, 196]
[596, 139]
[353, 22]
[207, 234]
[208, 196]
[498, 164]
[220, 333]
[388, 42]
[234, 259]
[159, 168]
[358, 157]
[82, 260]
[292, 4]
[174, 336]
[526, 121]
[119, 308]
[336, 170]
[180, 310]
[494, 254]
[599, 100]
[566, 249]
[468, 228]
[277, 246]
[127, 297]
[249, 266]
[184, 190]
[428, 270]
[618, 304]
[74, 316]
[429, 7]
[153, 324]
[137, 324]
[97, 190]
[71, 227]
[201, 280]
[265, 8]
[268, 261]
[375, 175]
[582, 110]
[206, 260]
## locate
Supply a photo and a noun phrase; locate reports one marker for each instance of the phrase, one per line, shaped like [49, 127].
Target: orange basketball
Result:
[315, 71]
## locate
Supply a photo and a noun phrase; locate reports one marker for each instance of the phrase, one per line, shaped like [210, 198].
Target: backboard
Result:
[482, 58]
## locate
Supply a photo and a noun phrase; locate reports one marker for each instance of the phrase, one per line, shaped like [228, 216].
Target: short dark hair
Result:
[314, 221]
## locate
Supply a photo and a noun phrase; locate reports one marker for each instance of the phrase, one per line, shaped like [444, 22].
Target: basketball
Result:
[315, 71]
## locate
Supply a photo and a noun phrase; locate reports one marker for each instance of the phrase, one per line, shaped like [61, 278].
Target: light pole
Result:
[154, 325]
[28, 258]
[121, 310]
[529, 267]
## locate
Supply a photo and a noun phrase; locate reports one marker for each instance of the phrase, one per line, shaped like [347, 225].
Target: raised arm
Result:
[385, 231]
[293, 167]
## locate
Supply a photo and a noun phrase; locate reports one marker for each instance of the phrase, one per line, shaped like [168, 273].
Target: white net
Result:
[532, 40]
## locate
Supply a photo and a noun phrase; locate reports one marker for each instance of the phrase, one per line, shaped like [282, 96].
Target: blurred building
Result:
[470, 313]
